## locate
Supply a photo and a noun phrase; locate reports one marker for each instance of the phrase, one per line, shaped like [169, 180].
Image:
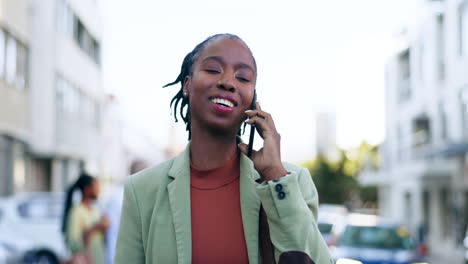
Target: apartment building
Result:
[423, 181]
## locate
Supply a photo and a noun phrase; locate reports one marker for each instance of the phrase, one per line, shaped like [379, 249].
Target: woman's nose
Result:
[226, 84]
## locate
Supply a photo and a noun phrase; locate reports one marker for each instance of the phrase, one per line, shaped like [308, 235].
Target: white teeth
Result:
[222, 101]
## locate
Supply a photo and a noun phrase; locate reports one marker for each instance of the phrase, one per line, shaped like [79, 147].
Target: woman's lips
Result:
[222, 108]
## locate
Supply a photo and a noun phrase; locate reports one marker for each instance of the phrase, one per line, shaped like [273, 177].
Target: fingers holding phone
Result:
[267, 160]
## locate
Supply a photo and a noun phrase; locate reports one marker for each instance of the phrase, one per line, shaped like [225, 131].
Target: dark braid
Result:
[179, 101]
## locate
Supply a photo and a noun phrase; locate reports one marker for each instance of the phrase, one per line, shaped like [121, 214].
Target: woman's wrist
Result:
[274, 173]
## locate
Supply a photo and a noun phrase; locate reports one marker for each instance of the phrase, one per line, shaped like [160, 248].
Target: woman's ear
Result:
[186, 86]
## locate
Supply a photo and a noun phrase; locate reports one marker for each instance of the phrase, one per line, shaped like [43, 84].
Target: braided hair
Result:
[181, 103]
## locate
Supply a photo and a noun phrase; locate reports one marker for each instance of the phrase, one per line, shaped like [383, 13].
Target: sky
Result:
[312, 56]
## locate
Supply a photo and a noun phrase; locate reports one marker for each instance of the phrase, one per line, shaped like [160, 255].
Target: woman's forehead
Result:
[228, 48]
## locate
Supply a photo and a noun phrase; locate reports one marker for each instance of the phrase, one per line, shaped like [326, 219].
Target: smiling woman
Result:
[204, 205]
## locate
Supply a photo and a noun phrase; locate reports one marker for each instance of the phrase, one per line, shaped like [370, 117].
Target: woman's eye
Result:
[242, 79]
[212, 71]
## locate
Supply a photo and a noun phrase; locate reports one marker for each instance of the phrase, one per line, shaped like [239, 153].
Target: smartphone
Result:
[252, 127]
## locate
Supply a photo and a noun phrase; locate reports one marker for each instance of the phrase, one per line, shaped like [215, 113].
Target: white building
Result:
[66, 94]
[423, 181]
[51, 96]
[15, 34]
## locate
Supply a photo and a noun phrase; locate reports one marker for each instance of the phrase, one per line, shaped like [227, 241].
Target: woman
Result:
[203, 206]
[83, 226]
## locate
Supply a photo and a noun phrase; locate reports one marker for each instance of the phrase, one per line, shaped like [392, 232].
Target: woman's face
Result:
[221, 85]
[92, 191]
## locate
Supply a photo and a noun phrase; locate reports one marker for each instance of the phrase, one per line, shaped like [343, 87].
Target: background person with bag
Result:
[83, 225]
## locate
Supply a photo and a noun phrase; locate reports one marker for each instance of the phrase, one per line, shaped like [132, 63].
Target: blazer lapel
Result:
[250, 206]
[179, 199]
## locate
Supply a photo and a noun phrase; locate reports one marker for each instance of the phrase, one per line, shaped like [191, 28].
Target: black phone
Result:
[252, 127]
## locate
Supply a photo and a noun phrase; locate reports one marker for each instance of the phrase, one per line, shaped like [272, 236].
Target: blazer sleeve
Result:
[129, 247]
[291, 205]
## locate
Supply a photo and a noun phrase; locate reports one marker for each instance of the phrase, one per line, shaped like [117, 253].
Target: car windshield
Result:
[376, 237]
[325, 228]
[41, 208]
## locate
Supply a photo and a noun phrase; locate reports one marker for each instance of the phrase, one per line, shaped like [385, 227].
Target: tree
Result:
[336, 181]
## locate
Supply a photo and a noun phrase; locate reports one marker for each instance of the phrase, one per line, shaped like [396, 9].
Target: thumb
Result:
[243, 148]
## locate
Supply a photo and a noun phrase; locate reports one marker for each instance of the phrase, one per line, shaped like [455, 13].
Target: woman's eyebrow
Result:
[222, 61]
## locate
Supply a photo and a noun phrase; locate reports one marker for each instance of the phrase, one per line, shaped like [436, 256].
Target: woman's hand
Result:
[267, 160]
[100, 226]
[103, 224]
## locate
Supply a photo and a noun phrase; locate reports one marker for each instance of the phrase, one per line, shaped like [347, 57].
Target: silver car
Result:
[368, 239]
[30, 228]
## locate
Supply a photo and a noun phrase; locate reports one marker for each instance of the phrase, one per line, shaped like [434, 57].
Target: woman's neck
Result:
[211, 150]
[86, 202]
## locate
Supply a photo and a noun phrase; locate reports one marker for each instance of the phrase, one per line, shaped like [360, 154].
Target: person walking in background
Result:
[113, 211]
[203, 206]
[83, 225]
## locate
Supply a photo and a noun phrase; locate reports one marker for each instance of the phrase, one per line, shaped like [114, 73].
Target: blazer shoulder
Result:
[151, 177]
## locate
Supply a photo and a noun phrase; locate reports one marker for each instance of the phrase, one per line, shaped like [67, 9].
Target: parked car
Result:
[368, 239]
[30, 228]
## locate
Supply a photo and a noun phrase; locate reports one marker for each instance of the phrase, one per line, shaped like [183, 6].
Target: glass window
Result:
[2, 52]
[21, 66]
[59, 95]
[325, 228]
[463, 30]
[97, 52]
[376, 237]
[41, 208]
[464, 111]
[11, 60]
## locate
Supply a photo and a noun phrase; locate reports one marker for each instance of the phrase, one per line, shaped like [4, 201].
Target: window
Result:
[41, 208]
[64, 18]
[2, 52]
[464, 110]
[421, 131]
[70, 100]
[463, 30]
[440, 47]
[443, 122]
[404, 66]
[21, 66]
[10, 60]
[13, 60]
[85, 40]
[97, 52]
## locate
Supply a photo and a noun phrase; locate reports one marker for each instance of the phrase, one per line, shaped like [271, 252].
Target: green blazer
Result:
[155, 223]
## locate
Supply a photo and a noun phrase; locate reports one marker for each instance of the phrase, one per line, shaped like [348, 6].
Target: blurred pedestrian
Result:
[203, 206]
[83, 224]
[113, 211]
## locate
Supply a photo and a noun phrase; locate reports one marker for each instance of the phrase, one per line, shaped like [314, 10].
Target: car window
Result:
[375, 237]
[325, 228]
[44, 208]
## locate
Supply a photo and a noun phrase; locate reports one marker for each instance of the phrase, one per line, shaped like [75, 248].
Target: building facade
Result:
[51, 95]
[15, 34]
[66, 95]
[423, 181]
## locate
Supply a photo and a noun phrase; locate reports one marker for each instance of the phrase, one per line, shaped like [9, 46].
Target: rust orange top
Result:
[217, 230]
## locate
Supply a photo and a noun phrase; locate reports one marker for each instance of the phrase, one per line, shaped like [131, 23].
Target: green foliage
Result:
[336, 181]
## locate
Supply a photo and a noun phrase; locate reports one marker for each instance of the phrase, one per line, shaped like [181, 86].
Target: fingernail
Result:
[247, 111]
